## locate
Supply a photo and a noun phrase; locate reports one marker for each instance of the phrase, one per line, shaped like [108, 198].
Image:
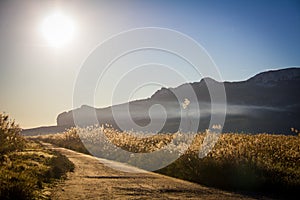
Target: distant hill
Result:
[268, 102]
[44, 130]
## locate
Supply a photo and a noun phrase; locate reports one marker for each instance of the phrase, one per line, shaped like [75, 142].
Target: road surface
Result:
[93, 179]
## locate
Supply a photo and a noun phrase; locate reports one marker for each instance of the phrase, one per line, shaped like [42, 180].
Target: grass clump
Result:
[26, 168]
[10, 138]
[68, 139]
[243, 162]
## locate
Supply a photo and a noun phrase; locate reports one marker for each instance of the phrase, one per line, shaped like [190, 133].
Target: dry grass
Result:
[243, 162]
[26, 168]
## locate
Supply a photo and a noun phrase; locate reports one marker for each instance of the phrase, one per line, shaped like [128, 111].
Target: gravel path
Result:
[92, 179]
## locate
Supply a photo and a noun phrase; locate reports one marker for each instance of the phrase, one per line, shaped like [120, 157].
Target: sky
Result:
[37, 79]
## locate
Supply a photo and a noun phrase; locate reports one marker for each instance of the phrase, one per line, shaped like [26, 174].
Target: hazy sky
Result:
[37, 79]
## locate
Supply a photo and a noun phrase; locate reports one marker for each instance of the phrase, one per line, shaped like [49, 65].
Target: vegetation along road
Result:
[92, 179]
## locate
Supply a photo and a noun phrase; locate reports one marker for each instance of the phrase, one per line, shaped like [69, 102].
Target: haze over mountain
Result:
[267, 102]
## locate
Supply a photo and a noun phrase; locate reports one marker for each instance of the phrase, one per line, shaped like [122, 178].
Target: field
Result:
[261, 163]
[27, 169]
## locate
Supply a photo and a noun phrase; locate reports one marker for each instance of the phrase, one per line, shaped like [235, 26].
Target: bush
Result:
[10, 138]
[24, 174]
[25, 166]
[68, 139]
[16, 186]
[241, 162]
[59, 165]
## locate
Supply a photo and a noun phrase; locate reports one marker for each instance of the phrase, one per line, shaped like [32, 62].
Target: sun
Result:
[58, 29]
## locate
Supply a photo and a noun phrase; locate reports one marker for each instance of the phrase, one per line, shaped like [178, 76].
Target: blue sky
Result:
[37, 80]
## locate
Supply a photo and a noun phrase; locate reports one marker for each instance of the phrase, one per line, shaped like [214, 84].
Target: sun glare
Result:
[58, 29]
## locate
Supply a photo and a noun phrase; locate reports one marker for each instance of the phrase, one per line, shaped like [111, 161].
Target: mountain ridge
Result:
[266, 102]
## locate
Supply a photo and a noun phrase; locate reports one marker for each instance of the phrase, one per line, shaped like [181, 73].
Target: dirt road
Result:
[92, 179]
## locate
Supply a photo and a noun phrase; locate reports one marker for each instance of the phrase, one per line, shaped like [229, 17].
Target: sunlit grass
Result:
[26, 168]
[244, 162]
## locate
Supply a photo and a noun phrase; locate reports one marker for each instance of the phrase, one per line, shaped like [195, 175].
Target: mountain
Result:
[267, 102]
